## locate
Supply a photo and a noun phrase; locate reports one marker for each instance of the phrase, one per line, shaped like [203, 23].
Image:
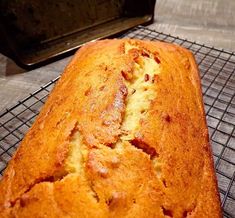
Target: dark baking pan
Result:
[35, 31]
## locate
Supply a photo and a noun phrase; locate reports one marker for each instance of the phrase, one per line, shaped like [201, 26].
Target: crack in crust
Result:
[50, 179]
[141, 93]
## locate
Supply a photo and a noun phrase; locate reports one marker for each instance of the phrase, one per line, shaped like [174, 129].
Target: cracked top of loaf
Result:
[123, 134]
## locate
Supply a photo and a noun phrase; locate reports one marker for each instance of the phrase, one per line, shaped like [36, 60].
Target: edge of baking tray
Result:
[140, 27]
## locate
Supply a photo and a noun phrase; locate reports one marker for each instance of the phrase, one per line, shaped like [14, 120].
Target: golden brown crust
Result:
[161, 168]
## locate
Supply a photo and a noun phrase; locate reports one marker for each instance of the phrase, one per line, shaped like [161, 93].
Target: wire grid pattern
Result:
[218, 85]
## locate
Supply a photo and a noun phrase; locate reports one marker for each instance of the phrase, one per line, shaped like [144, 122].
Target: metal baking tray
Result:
[36, 31]
[217, 68]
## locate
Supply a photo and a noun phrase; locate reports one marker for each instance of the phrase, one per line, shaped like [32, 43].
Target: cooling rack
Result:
[217, 68]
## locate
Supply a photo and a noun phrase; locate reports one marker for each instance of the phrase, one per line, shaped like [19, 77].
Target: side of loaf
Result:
[123, 134]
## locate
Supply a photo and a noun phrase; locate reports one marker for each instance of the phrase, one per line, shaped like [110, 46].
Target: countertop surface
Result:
[210, 22]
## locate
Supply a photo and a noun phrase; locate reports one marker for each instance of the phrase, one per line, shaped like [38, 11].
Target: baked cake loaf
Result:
[123, 134]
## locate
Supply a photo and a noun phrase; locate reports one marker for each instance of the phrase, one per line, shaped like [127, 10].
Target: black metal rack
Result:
[217, 69]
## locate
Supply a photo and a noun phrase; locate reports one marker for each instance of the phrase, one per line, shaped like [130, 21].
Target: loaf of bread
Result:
[123, 134]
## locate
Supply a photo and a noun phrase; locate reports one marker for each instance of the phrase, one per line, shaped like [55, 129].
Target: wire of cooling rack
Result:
[217, 68]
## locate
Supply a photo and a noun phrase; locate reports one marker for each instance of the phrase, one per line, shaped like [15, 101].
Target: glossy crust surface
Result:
[123, 134]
